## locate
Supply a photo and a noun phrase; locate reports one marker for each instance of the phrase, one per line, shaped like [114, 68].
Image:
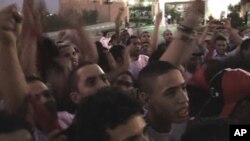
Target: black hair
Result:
[156, 55]
[46, 54]
[102, 59]
[152, 70]
[106, 109]
[245, 45]
[220, 38]
[208, 129]
[129, 74]
[117, 52]
[11, 123]
[144, 32]
[130, 38]
[104, 33]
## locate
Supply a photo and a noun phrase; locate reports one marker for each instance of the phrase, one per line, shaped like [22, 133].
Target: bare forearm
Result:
[201, 40]
[87, 47]
[178, 49]
[27, 55]
[13, 84]
[155, 37]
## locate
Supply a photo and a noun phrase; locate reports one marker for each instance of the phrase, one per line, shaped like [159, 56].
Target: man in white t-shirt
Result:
[137, 61]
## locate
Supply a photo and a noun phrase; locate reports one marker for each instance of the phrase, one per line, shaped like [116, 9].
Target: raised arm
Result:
[118, 23]
[183, 40]
[232, 32]
[28, 39]
[155, 34]
[86, 45]
[13, 85]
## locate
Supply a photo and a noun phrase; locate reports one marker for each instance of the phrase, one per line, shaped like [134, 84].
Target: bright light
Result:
[216, 7]
[131, 2]
[146, 3]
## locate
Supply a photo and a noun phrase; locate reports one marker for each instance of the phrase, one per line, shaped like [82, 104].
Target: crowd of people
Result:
[125, 87]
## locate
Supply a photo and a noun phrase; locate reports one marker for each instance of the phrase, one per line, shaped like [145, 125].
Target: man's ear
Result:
[75, 97]
[144, 98]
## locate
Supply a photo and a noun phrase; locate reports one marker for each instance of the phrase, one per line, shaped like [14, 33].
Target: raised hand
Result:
[10, 25]
[193, 17]
[158, 18]
[227, 24]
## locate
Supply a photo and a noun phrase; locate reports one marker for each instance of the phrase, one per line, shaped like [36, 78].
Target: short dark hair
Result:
[144, 32]
[220, 38]
[208, 129]
[117, 52]
[104, 33]
[11, 123]
[106, 109]
[152, 70]
[131, 38]
[46, 53]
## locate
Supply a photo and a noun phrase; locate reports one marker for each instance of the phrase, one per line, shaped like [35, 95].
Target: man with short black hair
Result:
[110, 115]
[165, 96]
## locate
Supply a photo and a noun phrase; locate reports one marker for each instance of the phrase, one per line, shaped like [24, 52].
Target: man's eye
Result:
[91, 82]
[171, 93]
[104, 78]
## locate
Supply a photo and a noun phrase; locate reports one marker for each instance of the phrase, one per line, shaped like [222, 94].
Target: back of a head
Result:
[46, 54]
[117, 51]
[129, 41]
[152, 70]
[245, 45]
[107, 109]
[156, 55]
[210, 129]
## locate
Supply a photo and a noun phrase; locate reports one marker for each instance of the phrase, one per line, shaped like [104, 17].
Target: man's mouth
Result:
[75, 63]
[184, 112]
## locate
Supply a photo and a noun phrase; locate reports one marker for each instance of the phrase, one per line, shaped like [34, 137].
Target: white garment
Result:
[130, 31]
[65, 119]
[138, 65]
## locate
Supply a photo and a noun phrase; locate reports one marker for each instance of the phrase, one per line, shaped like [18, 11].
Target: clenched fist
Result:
[10, 25]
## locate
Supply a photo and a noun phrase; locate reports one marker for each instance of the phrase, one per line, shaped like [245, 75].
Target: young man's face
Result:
[221, 47]
[135, 46]
[41, 92]
[146, 49]
[68, 57]
[132, 130]
[145, 37]
[169, 101]
[168, 36]
[90, 79]
[124, 81]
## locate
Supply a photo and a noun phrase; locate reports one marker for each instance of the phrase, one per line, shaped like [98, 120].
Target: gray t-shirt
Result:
[156, 136]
